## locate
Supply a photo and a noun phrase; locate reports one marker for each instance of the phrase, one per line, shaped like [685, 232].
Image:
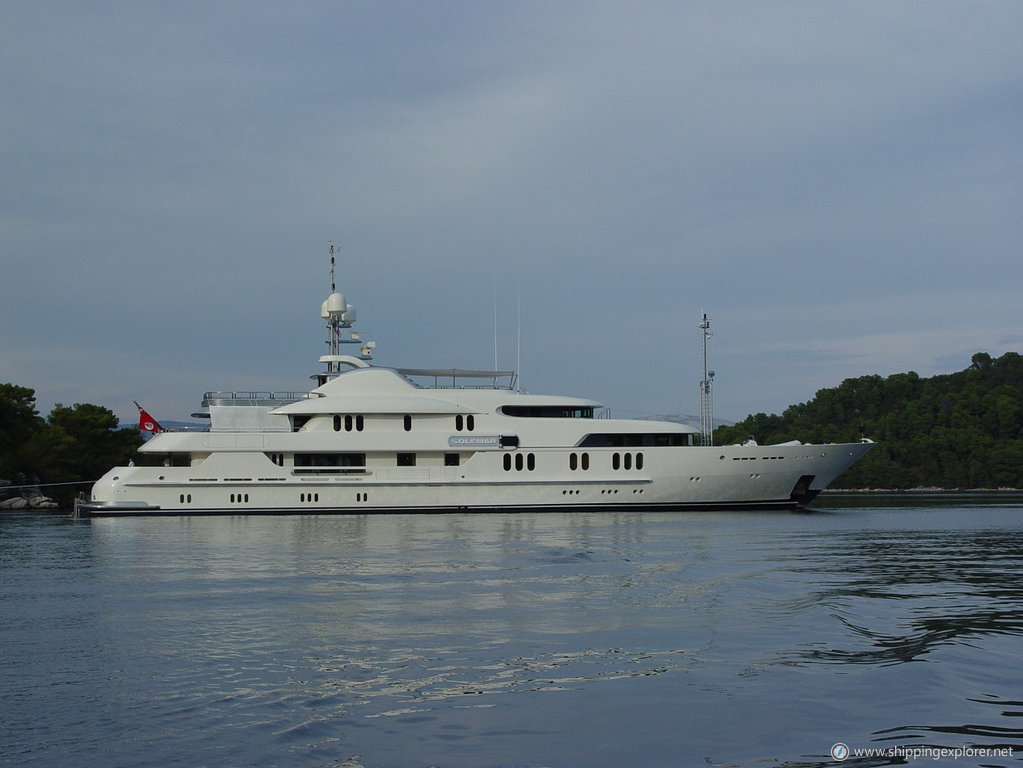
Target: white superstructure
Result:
[373, 439]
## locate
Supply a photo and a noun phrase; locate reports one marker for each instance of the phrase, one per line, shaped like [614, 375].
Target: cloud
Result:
[837, 186]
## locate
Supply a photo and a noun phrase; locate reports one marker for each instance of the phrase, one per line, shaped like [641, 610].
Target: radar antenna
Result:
[340, 316]
[706, 397]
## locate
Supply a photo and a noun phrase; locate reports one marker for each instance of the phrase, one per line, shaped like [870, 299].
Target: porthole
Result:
[507, 462]
[639, 461]
[530, 462]
[337, 423]
[408, 423]
[348, 423]
[573, 462]
[616, 461]
[585, 461]
[470, 422]
[459, 423]
[518, 462]
[628, 461]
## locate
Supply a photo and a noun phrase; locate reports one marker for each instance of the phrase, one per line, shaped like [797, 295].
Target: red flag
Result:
[146, 422]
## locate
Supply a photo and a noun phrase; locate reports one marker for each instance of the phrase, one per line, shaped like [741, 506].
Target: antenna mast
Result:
[706, 398]
[340, 316]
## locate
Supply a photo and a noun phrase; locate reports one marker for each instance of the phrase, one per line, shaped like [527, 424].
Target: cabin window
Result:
[549, 411]
[408, 423]
[406, 459]
[351, 422]
[459, 423]
[573, 462]
[639, 461]
[585, 461]
[330, 459]
[616, 461]
[470, 422]
[635, 440]
[628, 461]
[317, 459]
[337, 423]
[451, 460]
[522, 461]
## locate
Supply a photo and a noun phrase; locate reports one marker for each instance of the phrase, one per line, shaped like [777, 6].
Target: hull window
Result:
[406, 459]
[522, 462]
[625, 460]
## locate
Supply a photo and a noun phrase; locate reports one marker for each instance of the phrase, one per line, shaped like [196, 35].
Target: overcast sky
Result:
[838, 185]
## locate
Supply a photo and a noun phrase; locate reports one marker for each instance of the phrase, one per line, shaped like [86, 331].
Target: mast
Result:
[706, 399]
[340, 316]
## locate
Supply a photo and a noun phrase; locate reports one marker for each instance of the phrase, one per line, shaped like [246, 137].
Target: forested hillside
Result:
[962, 430]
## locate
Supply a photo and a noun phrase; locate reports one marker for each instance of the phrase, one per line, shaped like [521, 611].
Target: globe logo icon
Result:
[840, 751]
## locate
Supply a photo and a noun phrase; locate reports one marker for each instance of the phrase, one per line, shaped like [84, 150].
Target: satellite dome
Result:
[334, 305]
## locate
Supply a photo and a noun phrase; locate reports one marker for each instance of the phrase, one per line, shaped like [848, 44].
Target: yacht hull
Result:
[678, 478]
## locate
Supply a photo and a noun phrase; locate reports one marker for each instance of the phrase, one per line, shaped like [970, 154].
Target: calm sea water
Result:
[617, 639]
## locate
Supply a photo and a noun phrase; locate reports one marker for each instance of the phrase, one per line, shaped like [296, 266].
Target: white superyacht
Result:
[370, 439]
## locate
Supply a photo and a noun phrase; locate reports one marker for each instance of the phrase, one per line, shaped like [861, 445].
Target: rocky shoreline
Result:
[29, 497]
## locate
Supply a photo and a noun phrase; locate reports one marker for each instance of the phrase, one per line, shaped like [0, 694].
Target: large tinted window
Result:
[549, 411]
[633, 440]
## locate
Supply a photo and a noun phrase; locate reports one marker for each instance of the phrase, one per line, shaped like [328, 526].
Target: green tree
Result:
[19, 419]
[79, 443]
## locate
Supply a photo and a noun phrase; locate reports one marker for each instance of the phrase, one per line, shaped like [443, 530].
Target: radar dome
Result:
[334, 305]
